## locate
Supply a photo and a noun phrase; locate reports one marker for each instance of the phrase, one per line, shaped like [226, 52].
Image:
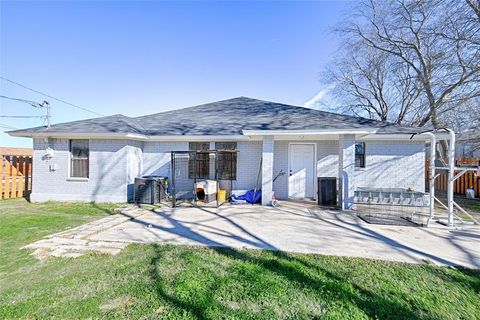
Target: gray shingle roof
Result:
[227, 117]
[111, 124]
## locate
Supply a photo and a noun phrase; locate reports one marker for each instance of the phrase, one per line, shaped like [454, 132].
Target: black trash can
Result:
[327, 191]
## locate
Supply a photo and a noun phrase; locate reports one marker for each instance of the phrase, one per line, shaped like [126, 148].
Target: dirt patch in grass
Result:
[117, 303]
[161, 310]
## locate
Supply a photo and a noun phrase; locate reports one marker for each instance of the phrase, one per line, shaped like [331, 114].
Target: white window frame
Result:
[360, 168]
[69, 176]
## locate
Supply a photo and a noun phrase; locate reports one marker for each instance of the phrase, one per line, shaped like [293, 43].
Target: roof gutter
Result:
[306, 132]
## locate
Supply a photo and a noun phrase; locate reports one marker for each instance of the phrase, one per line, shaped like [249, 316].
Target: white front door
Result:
[301, 179]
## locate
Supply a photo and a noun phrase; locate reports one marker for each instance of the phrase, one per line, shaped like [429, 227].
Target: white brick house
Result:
[98, 159]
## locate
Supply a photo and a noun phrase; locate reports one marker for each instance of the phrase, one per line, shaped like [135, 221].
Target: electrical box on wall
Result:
[53, 167]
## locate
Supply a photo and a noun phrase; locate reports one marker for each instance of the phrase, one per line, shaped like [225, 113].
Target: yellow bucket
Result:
[222, 195]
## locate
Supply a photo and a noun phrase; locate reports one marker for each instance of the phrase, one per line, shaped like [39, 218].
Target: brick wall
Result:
[156, 156]
[115, 163]
[280, 162]
[248, 164]
[157, 161]
[393, 164]
[107, 172]
[389, 164]
[134, 165]
[327, 158]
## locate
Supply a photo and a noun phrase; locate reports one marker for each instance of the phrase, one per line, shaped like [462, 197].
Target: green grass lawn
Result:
[472, 206]
[152, 281]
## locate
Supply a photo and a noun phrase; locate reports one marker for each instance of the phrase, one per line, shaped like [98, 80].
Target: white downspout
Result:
[431, 180]
[451, 172]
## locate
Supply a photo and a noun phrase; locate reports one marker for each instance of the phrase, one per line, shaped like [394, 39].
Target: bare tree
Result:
[377, 86]
[427, 52]
[475, 5]
[466, 117]
[466, 120]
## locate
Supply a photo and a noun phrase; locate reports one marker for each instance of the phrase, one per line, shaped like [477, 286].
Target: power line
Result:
[6, 126]
[30, 102]
[51, 97]
[44, 104]
[22, 116]
[18, 99]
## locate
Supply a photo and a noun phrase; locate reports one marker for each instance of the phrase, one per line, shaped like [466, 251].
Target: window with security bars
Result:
[199, 164]
[227, 161]
[79, 154]
[360, 155]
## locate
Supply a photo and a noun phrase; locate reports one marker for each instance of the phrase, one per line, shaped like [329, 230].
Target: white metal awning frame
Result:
[450, 138]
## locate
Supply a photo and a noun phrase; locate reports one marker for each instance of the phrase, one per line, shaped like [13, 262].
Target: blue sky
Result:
[137, 58]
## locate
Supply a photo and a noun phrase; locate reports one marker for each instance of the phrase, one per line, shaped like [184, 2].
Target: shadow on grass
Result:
[194, 308]
[468, 278]
[283, 264]
[330, 288]
[103, 209]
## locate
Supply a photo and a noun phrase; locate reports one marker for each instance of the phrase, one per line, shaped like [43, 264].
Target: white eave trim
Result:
[200, 138]
[393, 137]
[133, 136]
[306, 132]
[403, 136]
[113, 135]
[248, 135]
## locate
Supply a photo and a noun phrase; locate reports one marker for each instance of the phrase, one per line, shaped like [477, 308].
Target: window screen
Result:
[360, 154]
[200, 163]
[227, 161]
[79, 153]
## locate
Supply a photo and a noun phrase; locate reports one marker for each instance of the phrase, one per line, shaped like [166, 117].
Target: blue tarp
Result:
[251, 196]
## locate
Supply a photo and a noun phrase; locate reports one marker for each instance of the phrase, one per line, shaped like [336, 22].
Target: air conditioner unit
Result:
[150, 189]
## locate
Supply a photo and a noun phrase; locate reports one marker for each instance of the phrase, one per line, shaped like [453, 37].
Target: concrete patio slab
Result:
[300, 228]
[293, 227]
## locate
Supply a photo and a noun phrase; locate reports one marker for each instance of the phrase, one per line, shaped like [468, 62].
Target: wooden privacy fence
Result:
[468, 179]
[16, 172]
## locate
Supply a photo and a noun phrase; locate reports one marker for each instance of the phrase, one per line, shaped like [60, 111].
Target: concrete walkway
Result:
[77, 241]
[297, 227]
